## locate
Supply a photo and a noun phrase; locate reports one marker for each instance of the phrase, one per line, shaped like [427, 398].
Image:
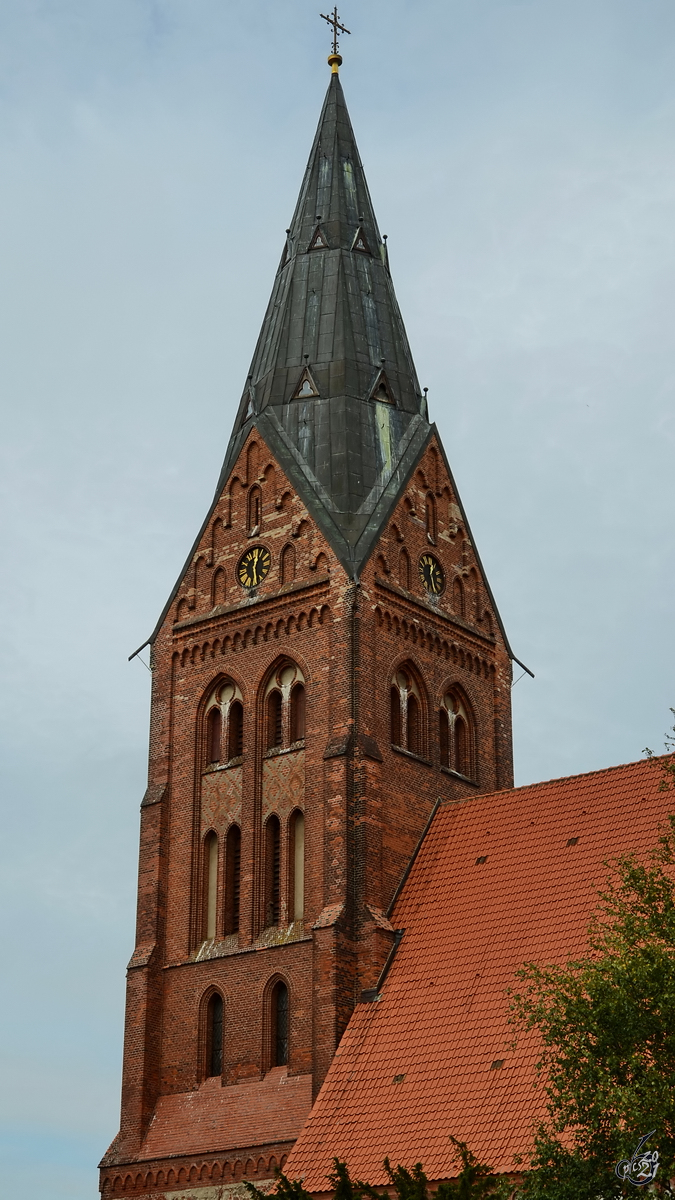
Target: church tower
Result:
[329, 665]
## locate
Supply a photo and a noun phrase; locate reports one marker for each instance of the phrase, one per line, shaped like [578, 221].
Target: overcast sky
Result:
[521, 158]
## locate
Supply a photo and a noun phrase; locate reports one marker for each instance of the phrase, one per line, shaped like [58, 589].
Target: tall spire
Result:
[332, 386]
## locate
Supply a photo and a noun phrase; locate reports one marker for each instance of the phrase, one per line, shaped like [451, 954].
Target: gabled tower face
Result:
[329, 665]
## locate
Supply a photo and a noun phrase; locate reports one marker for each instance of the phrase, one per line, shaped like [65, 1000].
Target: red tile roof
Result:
[417, 1065]
[228, 1118]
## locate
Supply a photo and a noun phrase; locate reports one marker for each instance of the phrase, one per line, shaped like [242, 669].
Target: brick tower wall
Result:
[365, 802]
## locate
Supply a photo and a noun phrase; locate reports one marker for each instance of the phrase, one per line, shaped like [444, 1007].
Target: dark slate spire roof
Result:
[332, 387]
[333, 332]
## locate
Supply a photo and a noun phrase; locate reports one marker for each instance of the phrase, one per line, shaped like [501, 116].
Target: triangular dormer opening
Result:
[381, 390]
[319, 240]
[247, 405]
[361, 241]
[306, 388]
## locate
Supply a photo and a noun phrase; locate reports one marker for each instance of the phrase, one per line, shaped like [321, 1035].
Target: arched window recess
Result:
[224, 726]
[232, 880]
[296, 866]
[457, 736]
[407, 713]
[279, 1024]
[213, 1064]
[209, 887]
[272, 866]
[284, 709]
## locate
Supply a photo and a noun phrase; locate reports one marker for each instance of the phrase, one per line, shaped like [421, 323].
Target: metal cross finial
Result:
[334, 20]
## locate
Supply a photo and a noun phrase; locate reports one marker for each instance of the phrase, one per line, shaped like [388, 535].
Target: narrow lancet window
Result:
[279, 1023]
[461, 747]
[213, 734]
[214, 1036]
[297, 713]
[444, 737]
[210, 885]
[236, 730]
[272, 871]
[457, 734]
[232, 879]
[297, 866]
[407, 713]
[395, 704]
[274, 720]
[413, 715]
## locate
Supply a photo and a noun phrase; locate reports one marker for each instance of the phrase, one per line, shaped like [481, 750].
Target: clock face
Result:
[253, 566]
[431, 574]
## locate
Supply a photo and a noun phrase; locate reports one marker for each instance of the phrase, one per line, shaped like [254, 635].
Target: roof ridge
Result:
[566, 778]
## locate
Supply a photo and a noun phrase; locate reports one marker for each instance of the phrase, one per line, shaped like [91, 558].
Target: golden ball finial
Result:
[334, 62]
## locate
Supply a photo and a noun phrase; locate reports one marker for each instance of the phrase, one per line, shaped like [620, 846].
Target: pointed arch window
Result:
[297, 713]
[232, 879]
[272, 871]
[235, 730]
[285, 708]
[296, 857]
[214, 1035]
[210, 886]
[279, 1024]
[407, 713]
[224, 724]
[457, 735]
[395, 716]
[458, 596]
[274, 732]
[214, 731]
[413, 724]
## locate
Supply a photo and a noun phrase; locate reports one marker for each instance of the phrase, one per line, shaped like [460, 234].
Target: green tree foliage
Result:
[607, 1022]
[667, 761]
[475, 1181]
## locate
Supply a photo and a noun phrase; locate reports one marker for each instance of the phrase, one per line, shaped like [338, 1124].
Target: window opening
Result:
[274, 720]
[272, 871]
[444, 737]
[211, 885]
[280, 1025]
[213, 735]
[456, 735]
[461, 744]
[406, 713]
[413, 724]
[214, 1036]
[297, 864]
[232, 879]
[236, 730]
[297, 713]
[395, 697]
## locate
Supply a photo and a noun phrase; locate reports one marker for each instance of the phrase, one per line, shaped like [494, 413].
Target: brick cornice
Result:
[265, 604]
